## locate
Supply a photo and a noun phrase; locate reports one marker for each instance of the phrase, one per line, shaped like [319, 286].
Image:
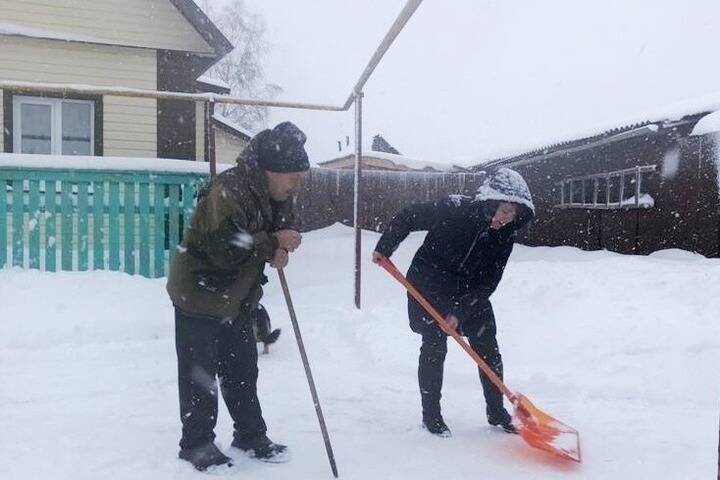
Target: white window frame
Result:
[601, 200]
[55, 105]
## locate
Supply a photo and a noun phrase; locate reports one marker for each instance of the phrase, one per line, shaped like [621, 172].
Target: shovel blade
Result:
[544, 432]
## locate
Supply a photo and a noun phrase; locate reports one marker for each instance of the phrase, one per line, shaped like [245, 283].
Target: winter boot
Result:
[436, 425]
[205, 456]
[503, 420]
[262, 448]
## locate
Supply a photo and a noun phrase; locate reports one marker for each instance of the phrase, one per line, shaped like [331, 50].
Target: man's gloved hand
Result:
[376, 257]
[288, 240]
[453, 321]
[280, 259]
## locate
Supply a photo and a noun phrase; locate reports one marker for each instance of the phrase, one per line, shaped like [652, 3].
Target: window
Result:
[577, 191]
[616, 189]
[588, 190]
[601, 190]
[629, 183]
[567, 192]
[53, 126]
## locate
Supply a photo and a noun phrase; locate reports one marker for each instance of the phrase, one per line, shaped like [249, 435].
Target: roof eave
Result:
[612, 135]
[205, 27]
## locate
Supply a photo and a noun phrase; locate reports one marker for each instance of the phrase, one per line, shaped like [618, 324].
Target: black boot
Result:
[262, 448]
[502, 419]
[436, 425]
[205, 456]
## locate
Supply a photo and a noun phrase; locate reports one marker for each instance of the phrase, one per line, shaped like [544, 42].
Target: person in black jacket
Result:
[457, 269]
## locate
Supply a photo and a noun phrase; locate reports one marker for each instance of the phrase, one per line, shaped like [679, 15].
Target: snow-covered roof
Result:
[233, 125]
[32, 32]
[710, 123]
[61, 162]
[411, 163]
[213, 81]
[403, 161]
[668, 114]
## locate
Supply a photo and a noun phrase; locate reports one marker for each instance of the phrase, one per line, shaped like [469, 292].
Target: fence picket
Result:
[173, 220]
[66, 226]
[34, 221]
[144, 213]
[3, 224]
[98, 206]
[50, 223]
[159, 226]
[129, 227]
[18, 223]
[83, 226]
[114, 226]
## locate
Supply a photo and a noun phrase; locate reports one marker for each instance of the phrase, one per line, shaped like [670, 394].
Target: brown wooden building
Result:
[637, 189]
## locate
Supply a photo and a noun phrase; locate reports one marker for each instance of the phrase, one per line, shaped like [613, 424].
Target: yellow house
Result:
[147, 44]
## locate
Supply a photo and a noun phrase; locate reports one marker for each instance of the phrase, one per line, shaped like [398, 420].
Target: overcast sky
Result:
[468, 78]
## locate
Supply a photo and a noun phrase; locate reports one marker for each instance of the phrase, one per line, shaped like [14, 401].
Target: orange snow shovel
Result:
[536, 427]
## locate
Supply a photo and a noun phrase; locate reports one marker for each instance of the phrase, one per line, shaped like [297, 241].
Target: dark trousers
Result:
[208, 349]
[432, 360]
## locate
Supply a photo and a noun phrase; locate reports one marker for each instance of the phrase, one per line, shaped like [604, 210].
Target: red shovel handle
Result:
[390, 267]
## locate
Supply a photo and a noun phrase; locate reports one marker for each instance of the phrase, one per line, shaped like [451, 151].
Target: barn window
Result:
[600, 190]
[577, 192]
[616, 189]
[568, 193]
[588, 189]
[629, 183]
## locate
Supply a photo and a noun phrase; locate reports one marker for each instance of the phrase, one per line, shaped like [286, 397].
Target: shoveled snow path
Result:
[625, 349]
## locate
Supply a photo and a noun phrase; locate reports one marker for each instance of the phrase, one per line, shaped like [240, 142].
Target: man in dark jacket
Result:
[243, 220]
[457, 269]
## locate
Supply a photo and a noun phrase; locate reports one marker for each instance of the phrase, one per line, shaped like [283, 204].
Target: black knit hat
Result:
[282, 149]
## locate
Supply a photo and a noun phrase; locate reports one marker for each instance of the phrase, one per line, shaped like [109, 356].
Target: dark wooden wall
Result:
[327, 195]
[177, 72]
[686, 212]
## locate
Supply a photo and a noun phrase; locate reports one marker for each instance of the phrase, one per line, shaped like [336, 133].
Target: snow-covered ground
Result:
[625, 349]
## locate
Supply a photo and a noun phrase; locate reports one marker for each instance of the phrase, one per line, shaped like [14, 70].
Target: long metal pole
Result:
[357, 197]
[403, 17]
[211, 138]
[308, 373]
[67, 88]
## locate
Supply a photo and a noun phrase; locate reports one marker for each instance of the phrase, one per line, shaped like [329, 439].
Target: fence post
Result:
[210, 137]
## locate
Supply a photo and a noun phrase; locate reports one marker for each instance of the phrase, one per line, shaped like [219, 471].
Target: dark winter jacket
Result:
[462, 259]
[218, 269]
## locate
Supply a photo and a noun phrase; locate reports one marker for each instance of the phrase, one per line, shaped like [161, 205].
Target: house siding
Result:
[227, 146]
[154, 24]
[130, 124]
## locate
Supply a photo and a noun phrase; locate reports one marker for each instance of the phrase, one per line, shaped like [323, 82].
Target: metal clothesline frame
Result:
[210, 99]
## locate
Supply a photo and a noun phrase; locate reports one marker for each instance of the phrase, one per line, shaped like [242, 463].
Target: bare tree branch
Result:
[242, 68]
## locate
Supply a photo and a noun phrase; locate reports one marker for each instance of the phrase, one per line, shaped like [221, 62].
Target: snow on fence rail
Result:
[74, 217]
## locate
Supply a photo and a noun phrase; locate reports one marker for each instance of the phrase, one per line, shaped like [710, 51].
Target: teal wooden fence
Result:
[79, 220]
